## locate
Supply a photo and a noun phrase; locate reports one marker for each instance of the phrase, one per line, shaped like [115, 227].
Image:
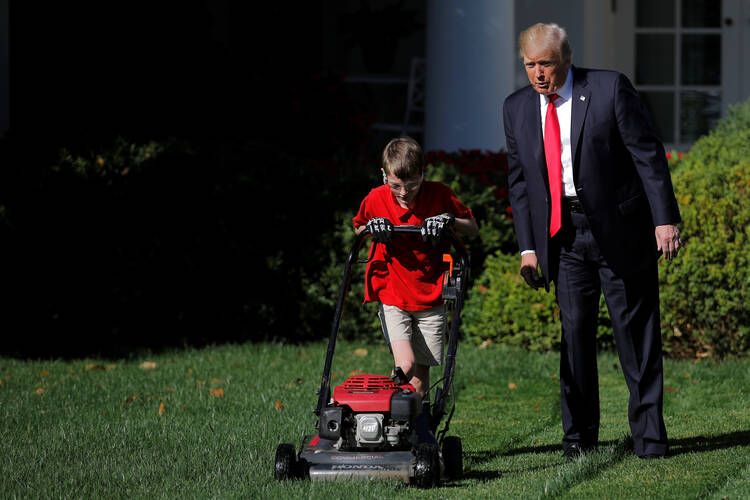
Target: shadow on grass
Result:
[700, 444]
[487, 455]
[681, 446]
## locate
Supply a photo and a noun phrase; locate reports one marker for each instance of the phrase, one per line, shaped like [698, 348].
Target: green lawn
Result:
[206, 423]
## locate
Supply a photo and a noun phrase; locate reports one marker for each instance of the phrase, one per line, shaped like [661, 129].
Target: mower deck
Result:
[322, 462]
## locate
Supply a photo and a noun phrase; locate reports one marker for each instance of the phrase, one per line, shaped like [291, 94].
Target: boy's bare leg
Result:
[403, 357]
[421, 378]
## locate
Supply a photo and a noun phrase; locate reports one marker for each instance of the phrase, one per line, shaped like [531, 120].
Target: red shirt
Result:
[407, 272]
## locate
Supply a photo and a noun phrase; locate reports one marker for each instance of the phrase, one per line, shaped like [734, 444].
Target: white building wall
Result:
[469, 73]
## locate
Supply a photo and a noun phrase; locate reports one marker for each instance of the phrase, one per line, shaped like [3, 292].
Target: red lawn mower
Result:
[367, 430]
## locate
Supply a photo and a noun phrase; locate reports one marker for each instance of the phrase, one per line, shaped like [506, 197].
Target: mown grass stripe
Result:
[587, 467]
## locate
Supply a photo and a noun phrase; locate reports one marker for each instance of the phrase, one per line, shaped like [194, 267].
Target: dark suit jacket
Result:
[619, 169]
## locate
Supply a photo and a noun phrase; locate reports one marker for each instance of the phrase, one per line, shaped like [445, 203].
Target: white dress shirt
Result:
[564, 108]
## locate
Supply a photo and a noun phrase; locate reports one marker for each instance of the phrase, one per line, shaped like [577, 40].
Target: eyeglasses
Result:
[408, 186]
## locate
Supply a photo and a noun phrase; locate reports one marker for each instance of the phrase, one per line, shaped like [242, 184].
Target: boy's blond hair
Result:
[402, 158]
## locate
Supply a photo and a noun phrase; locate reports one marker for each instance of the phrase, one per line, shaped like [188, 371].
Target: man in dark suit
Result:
[593, 206]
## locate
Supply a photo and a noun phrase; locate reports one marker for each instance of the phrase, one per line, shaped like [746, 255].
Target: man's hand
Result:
[433, 227]
[529, 271]
[381, 229]
[668, 240]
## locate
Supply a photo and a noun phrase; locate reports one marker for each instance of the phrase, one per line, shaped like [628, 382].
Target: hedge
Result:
[503, 308]
[705, 291]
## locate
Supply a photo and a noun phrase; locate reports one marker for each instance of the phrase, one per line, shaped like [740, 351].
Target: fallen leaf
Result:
[479, 397]
[355, 372]
[485, 343]
[216, 381]
[130, 399]
[217, 393]
[161, 409]
[279, 406]
[539, 442]
[40, 391]
[170, 389]
[360, 353]
[537, 408]
[44, 373]
[702, 354]
[110, 367]
[297, 382]
[94, 366]
[688, 375]
[512, 386]
[671, 389]
[147, 365]
[1, 382]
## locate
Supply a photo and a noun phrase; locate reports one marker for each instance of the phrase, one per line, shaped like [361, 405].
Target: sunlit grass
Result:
[206, 423]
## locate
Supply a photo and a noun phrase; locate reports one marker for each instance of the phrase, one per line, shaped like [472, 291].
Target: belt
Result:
[573, 205]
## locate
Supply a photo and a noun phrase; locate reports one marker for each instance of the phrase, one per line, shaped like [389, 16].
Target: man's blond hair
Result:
[545, 37]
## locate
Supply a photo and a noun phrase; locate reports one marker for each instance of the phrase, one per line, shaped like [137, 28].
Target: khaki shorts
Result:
[424, 329]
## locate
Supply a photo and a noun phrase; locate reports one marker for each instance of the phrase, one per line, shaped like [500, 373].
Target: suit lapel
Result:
[579, 106]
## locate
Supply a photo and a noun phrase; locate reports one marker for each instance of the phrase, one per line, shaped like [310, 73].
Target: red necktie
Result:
[552, 151]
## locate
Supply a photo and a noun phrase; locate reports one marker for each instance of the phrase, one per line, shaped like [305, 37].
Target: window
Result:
[678, 58]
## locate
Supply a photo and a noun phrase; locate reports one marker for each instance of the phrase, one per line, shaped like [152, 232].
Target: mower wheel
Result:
[453, 457]
[286, 462]
[427, 466]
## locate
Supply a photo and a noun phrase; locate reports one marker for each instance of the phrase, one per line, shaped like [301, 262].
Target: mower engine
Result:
[371, 412]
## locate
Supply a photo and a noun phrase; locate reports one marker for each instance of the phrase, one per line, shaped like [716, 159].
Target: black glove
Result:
[532, 277]
[434, 227]
[381, 229]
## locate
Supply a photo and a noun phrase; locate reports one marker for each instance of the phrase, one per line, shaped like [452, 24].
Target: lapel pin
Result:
[583, 98]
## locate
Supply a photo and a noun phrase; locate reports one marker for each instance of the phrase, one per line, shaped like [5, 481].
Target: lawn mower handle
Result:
[324, 394]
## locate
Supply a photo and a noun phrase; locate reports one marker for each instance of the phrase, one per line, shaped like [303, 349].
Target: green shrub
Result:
[489, 203]
[111, 164]
[503, 308]
[323, 284]
[705, 292]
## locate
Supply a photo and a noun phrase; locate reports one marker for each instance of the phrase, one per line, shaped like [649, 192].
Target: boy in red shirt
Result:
[405, 273]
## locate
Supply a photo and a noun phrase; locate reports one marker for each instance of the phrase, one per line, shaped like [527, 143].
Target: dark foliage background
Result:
[164, 185]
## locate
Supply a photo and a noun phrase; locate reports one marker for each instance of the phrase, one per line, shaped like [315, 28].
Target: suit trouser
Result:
[633, 304]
